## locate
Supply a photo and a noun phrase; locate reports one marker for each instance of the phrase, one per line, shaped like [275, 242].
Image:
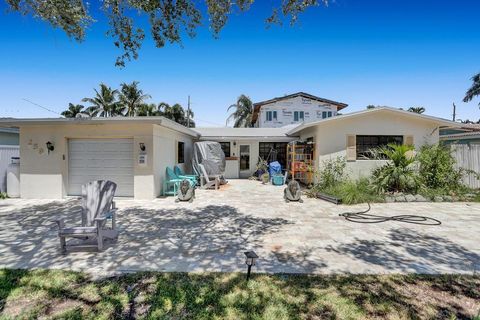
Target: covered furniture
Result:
[209, 163]
[98, 208]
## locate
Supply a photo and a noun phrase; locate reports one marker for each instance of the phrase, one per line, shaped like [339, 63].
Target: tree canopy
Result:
[169, 20]
[129, 101]
[474, 90]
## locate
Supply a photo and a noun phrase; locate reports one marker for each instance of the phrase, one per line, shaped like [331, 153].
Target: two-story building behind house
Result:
[292, 109]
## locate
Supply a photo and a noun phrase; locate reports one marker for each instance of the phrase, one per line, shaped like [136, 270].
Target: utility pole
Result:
[188, 113]
[454, 111]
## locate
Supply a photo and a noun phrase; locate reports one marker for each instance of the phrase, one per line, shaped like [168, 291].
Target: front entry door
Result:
[245, 161]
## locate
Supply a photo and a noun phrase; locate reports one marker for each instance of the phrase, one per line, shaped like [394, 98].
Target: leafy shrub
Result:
[332, 173]
[437, 168]
[399, 174]
[352, 192]
[3, 195]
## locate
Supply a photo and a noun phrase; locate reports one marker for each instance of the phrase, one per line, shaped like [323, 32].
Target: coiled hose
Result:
[364, 217]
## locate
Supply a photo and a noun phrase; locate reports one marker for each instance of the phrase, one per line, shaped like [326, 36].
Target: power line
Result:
[45, 108]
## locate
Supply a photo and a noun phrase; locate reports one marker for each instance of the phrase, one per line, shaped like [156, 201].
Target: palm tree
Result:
[243, 112]
[91, 112]
[105, 103]
[73, 111]
[417, 109]
[131, 97]
[148, 110]
[474, 90]
[175, 112]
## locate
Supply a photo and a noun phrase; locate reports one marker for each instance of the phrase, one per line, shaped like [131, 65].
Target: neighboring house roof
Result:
[258, 105]
[162, 121]
[440, 121]
[243, 133]
[471, 126]
[463, 135]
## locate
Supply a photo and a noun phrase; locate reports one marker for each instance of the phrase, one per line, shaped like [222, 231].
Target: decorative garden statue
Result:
[186, 192]
[292, 192]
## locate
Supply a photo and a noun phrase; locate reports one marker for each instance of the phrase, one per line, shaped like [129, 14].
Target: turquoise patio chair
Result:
[171, 184]
[181, 175]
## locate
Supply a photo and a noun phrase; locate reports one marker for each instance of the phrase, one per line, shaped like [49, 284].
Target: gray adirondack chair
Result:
[97, 208]
[206, 181]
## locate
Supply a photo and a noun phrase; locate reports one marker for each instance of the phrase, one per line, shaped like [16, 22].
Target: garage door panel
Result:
[101, 159]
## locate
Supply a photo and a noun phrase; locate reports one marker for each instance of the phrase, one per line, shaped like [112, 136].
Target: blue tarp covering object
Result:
[274, 168]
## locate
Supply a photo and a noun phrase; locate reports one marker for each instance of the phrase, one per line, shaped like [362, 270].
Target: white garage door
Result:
[100, 159]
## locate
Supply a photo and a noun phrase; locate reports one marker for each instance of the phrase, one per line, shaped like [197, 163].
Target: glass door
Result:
[244, 160]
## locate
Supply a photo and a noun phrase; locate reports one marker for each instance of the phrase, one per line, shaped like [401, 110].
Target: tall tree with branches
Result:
[104, 103]
[243, 112]
[169, 20]
[131, 97]
[73, 111]
[474, 90]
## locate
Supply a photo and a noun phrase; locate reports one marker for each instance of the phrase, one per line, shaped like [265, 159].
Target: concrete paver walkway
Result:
[211, 234]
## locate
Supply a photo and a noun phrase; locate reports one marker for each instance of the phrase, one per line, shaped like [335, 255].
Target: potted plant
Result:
[265, 178]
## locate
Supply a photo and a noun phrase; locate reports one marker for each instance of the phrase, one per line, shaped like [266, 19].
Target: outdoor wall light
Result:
[50, 146]
[142, 146]
[251, 256]
[234, 143]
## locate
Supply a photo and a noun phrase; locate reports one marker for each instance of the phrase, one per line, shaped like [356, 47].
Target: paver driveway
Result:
[211, 234]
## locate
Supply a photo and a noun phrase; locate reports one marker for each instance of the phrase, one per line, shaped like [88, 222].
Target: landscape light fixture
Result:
[251, 256]
[50, 146]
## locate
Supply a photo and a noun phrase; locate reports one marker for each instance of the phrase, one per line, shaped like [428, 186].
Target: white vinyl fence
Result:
[6, 154]
[468, 157]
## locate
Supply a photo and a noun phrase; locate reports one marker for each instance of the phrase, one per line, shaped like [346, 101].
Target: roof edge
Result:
[446, 122]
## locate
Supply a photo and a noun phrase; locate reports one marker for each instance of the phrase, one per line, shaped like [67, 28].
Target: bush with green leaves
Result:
[331, 173]
[3, 195]
[398, 174]
[354, 191]
[437, 168]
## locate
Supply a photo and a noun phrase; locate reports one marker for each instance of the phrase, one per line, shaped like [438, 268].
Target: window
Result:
[273, 151]
[298, 116]
[180, 152]
[326, 114]
[226, 148]
[364, 144]
[271, 115]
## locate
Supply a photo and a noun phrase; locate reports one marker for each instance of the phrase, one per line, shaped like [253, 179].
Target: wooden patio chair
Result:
[97, 208]
[206, 181]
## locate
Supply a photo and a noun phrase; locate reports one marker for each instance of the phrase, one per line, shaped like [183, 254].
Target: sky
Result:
[398, 53]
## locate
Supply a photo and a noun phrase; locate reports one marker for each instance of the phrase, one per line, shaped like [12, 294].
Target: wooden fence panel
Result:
[468, 157]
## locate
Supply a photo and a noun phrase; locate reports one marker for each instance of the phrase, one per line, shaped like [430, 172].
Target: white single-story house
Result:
[134, 151]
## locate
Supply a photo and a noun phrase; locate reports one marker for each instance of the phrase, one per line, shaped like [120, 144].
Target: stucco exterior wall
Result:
[285, 112]
[165, 154]
[44, 175]
[331, 137]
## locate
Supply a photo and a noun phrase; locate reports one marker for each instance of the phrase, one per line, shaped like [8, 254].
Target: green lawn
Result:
[71, 295]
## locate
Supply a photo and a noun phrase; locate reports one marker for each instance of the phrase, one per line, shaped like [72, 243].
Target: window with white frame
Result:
[298, 116]
[271, 115]
[327, 114]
